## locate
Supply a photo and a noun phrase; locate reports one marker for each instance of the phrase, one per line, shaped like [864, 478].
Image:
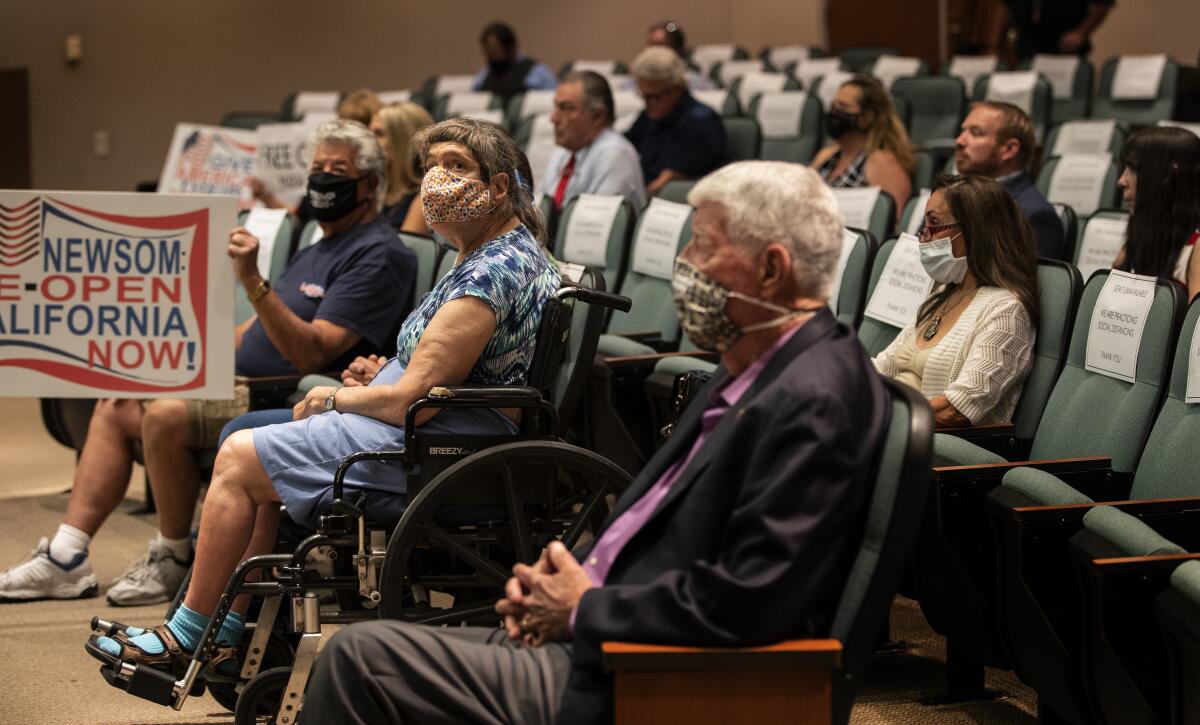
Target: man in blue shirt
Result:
[591, 158]
[677, 136]
[508, 72]
[344, 296]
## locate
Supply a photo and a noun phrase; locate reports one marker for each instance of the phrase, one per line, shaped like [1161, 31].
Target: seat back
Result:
[861, 60]
[874, 334]
[893, 515]
[852, 288]
[728, 72]
[648, 284]
[1085, 136]
[784, 57]
[1179, 615]
[676, 190]
[1085, 181]
[1136, 111]
[281, 254]
[706, 56]
[310, 235]
[914, 209]
[1171, 457]
[524, 105]
[723, 101]
[428, 253]
[587, 322]
[791, 125]
[876, 218]
[1071, 79]
[445, 264]
[922, 179]
[742, 138]
[746, 87]
[248, 119]
[1093, 414]
[1005, 86]
[1070, 225]
[1059, 287]
[1100, 241]
[609, 261]
[936, 106]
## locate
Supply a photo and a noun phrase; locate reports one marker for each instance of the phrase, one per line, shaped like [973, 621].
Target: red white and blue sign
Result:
[115, 295]
[208, 160]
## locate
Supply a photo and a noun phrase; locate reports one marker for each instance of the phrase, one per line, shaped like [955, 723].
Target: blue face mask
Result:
[937, 257]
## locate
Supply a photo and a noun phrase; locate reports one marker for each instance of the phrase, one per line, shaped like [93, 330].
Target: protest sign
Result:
[208, 160]
[107, 294]
[279, 159]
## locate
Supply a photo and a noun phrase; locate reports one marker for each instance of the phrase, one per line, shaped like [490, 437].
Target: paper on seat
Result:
[1060, 71]
[971, 68]
[1084, 137]
[603, 67]
[714, 98]
[390, 97]
[1102, 240]
[918, 212]
[759, 82]
[1015, 87]
[902, 287]
[810, 69]
[849, 240]
[308, 101]
[589, 228]
[462, 102]
[857, 205]
[1138, 77]
[780, 114]
[888, 68]
[445, 85]
[1118, 321]
[535, 102]
[830, 84]
[1078, 180]
[731, 70]
[1192, 394]
[783, 55]
[658, 238]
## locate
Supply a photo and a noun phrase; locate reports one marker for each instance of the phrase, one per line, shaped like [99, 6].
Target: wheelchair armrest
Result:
[655, 683]
[472, 396]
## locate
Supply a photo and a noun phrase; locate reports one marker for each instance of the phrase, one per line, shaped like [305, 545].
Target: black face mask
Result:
[332, 196]
[839, 123]
[500, 67]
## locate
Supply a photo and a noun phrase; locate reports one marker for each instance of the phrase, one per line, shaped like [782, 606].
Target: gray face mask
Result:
[700, 304]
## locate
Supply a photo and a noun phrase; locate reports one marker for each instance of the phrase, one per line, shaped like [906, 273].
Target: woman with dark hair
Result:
[871, 147]
[970, 347]
[1161, 182]
[478, 325]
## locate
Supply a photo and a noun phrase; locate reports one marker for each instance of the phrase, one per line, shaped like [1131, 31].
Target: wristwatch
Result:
[259, 292]
[331, 400]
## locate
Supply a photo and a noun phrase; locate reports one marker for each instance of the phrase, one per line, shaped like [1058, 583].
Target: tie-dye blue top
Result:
[511, 275]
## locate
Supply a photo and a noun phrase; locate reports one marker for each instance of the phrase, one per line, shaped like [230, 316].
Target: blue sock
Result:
[187, 626]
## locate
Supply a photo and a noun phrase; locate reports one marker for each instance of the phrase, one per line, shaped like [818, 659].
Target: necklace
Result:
[936, 322]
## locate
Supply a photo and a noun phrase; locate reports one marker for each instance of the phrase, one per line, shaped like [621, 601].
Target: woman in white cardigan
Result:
[970, 347]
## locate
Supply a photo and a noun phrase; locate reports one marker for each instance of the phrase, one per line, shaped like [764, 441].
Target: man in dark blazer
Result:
[997, 141]
[740, 531]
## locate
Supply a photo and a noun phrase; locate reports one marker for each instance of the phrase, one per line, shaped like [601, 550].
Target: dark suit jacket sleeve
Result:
[1048, 230]
[795, 500]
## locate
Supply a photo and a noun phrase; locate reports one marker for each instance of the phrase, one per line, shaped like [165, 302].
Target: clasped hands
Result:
[539, 599]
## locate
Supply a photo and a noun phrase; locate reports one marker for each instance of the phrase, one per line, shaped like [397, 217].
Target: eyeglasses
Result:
[928, 230]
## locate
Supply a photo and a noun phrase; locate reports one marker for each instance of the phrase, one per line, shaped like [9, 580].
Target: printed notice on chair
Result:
[591, 223]
[849, 240]
[1015, 87]
[658, 236]
[779, 113]
[1084, 137]
[1102, 240]
[1060, 71]
[127, 295]
[971, 68]
[857, 205]
[1118, 320]
[902, 286]
[888, 68]
[1192, 395]
[1078, 180]
[1138, 76]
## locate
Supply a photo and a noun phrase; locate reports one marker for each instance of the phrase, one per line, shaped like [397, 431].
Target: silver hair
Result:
[773, 201]
[597, 94]
[368, 154]
[660, 63]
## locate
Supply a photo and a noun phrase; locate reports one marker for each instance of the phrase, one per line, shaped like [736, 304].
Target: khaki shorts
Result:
[206, 418]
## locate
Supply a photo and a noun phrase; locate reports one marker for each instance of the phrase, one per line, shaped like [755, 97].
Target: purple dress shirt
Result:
[604, 552]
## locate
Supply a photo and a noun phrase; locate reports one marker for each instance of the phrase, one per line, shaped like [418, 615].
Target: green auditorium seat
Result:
[936, 107]
[1141, 111]
[1085, 136]
[1088, 414]
[1074, 100]
[676, 190]
[1179, 614]
[281, 253]
[1035, 512]
[1041, 99]
[1105, 172]
[742, 138]
[860, 60]
[610, 260]
[783, 140]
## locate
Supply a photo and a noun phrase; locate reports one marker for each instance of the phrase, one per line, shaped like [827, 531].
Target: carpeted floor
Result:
[48, 678]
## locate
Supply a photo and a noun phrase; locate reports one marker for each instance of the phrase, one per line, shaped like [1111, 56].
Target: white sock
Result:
[68, 542]
[181, 549]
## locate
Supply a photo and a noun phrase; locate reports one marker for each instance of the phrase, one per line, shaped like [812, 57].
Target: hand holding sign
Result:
[243, 250]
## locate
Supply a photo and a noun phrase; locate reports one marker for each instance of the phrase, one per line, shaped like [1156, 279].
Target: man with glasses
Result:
[677, 136]
[591, 158]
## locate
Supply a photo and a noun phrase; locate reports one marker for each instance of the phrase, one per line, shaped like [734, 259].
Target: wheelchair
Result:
[476, 505]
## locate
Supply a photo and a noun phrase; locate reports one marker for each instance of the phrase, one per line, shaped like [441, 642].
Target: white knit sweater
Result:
[981, 363]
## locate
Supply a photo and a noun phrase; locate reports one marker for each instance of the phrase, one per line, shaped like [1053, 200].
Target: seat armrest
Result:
[999, 438]
[638, 361]
[1148, 507]
[792, 654]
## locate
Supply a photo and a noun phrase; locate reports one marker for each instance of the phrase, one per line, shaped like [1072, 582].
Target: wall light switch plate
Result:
[74, 48]
[100, 143]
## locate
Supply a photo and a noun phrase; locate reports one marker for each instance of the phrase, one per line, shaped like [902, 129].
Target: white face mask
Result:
[937, 257]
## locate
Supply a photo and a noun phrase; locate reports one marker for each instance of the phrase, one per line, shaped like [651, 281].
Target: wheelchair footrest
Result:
[147, 683]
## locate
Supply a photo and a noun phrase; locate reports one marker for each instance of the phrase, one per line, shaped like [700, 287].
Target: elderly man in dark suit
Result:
[739, 531]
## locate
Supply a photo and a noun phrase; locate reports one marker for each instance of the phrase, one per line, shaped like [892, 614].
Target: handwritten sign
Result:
[659, 238]
[857, 205]
[849, 242]
[779, 114]
[1192, 393]
[279, 158]
[902, 286]
[1138, 77]
[589, 227]
[888, 68]
[971, 68]
[1118, 321]
[1084, 137]
[208, 160]
[115, 294]
[753, 84]
[1060, 71]
[1079, 180]
[809, 70]
[1102, 240]
[264, 223]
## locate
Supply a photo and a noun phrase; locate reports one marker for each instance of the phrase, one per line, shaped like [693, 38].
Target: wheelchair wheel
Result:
[460, 536]
[260, 698]
[279, 654]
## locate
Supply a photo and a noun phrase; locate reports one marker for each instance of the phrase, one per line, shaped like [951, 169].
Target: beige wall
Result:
[149, 64]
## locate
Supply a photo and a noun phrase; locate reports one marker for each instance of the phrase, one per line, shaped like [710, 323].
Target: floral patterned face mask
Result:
[450, 198]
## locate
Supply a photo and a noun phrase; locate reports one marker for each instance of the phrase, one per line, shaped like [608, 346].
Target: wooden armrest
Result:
[646, 336]
[997, 470]
[1137, 564]
[639, 360]
[268, 380]
[792, 654]
[1136, 508]
[975, 431]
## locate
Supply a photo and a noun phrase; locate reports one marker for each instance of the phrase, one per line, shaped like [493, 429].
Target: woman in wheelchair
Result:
[971, 345]
[478, 325]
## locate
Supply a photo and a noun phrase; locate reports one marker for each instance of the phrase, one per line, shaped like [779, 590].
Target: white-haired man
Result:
[738, 532]
[322, 313]
[676, 136]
